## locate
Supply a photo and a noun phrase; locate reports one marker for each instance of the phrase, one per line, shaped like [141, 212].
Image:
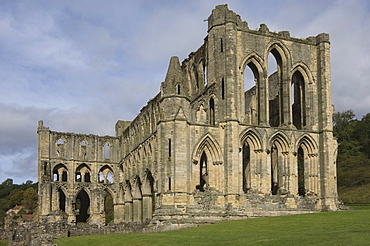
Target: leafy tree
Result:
[7, 182]
[16, 197]
[30, 198]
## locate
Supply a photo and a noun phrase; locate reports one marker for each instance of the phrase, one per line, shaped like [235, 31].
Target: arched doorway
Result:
[82, 206]
[62, 200]
[108, 207]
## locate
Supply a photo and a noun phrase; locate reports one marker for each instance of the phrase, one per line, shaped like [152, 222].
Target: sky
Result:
[82, 65]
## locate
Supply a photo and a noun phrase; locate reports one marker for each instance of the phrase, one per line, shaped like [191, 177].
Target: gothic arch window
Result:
[246, 167]
[251, 97]
[60, 141]
[203, 178]
[106, 175]
[274, 85]
[298, 100]
[196, 78]
[109, 178]
[106, 150]
[78, 177]
[60, 173]
[301, 176]
[83, 173]
[212, 111]
[64, 176]
[274, 170]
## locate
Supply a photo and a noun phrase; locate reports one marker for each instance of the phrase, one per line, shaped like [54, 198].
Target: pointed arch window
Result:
[203, 178]
[246, 167]
[301, 177]
[298, 100]
[274, 170]
[251, 96]
[274, 85]
[106, 150]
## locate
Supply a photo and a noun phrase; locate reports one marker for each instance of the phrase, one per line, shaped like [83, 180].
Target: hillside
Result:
[353, 157]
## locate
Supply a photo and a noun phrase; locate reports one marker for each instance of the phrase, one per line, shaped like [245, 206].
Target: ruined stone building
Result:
[211, 144]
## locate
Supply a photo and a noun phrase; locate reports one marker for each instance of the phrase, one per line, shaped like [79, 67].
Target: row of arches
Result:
[134, 201]
[278, 84]
[83, 174]
[60, 150]
[290, 168]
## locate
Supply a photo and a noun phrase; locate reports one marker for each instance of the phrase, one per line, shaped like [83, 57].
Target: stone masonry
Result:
[210, 145]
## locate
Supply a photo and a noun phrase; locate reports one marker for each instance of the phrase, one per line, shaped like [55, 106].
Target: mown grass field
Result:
[330, 228]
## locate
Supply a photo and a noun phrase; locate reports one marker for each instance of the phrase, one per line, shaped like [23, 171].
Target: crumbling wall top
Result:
[222, 15]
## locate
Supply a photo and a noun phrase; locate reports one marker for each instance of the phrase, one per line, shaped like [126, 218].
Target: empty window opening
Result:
[106, 150]
[169, 183]
[55, 176]
[222, 45]
[109, 178]
[203, 178]
[108, 207]
[64, 176]
[251, 77]
[301, 179]
[60, 141]
[101, 177]
[274, 82]
[78, 177]
[178, 89]
[62, 200]
[83, 143]
[211, 111]
[58, 153]
[87, 177]
[246, 167]
[196, 78]
[274, 170]
[205, 75]
[82, 206]
[298, 101]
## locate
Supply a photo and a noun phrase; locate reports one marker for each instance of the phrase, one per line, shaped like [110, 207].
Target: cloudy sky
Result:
[82, 65]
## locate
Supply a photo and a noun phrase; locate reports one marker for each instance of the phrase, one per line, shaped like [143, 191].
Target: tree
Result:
[30, 198]
[7, 182]
[344, 129]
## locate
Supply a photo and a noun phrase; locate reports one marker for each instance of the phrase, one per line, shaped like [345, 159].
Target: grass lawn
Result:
[330, 228]
[3, 243]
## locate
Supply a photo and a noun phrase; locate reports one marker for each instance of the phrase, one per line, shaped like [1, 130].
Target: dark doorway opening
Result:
[82, 206]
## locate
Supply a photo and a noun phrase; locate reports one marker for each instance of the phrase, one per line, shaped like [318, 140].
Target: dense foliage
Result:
[17, 194]
[353, 156]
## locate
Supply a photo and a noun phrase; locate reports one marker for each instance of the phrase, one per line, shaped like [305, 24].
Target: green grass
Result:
[330, 228]
[3, 243]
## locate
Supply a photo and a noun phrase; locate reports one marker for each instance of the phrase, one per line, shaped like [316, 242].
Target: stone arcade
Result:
[210, 145]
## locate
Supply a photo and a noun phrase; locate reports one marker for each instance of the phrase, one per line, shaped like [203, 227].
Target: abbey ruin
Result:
[211, 145]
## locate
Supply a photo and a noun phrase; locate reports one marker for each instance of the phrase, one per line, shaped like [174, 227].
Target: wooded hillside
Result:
[353, 156]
